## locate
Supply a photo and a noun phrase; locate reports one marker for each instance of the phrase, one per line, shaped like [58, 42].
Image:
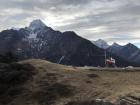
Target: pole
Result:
[105, 56]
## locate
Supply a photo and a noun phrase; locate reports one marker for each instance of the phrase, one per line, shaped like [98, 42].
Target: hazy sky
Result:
[111, 20]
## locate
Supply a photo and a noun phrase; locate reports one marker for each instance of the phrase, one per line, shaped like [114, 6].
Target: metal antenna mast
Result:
[105, 56]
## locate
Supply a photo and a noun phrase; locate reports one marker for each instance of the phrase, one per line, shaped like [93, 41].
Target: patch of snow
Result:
[32, 35]
[61, 59]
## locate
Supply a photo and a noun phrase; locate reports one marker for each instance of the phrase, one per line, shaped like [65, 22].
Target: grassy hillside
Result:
[39, 82]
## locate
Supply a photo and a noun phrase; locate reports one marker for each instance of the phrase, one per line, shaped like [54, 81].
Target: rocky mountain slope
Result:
[41, 41]
[39, 82]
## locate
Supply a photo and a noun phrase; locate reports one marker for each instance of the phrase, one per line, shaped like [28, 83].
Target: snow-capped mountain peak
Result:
[35, 27]
[116, 45]
[37, 24]
[17, 29]
[101, 43]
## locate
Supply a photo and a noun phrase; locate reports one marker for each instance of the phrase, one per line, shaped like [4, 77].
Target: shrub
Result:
[12, 77]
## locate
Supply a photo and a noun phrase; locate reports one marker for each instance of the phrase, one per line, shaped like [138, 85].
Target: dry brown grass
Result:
[78, 85]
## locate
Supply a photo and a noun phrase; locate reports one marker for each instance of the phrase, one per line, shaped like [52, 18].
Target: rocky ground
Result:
[39, 82]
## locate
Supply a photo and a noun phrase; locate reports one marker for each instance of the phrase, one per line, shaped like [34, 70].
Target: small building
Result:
[110, 62]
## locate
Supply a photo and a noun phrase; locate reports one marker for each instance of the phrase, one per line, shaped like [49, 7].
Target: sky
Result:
[111, 20]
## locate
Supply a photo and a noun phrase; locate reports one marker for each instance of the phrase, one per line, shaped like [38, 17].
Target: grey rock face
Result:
[41, 41]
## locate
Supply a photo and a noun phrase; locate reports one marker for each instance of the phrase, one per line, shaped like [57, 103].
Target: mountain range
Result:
[128, 52]
[42, 42]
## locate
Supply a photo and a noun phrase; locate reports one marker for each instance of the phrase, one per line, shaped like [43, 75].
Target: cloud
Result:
[112, 20]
